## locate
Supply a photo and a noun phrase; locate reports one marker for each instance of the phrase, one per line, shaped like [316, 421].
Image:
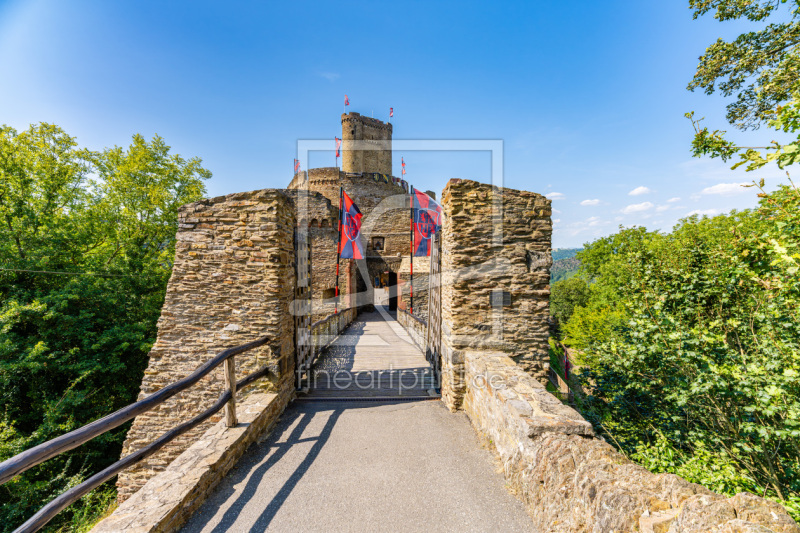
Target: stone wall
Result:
[416, 328]
[232, 282]
[422, 269]
[316, 215]
[366, 144]
[572, 481]
[495, 278]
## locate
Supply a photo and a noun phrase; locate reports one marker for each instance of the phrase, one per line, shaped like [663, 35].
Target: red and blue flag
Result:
[350, 246]
[427, 221]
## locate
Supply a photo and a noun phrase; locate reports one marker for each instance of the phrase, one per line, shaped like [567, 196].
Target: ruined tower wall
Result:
[495, 293]
[366, 144]
[232, 283]
[316, 214]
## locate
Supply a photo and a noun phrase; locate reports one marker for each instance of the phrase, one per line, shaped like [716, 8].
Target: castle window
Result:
[314, 223]
[325, 223]
[377, 244]
[327, 294]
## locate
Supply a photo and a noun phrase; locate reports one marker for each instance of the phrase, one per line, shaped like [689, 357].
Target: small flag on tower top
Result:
[346, 100]
[391, 111]
[338, 144]
[404, 165]
[296, 165]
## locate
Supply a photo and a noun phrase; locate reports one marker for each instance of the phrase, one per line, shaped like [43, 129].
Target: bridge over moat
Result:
[351, 417]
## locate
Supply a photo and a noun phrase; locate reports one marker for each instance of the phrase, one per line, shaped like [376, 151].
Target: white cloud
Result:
[662, 208]
[637, 208]
[556, 220]
[701, 212]
[639, 190]
[673, 200]
[726, 189]
[591, 224]
[556, 211]
[555, 195]
[591, 202]
[330, 76]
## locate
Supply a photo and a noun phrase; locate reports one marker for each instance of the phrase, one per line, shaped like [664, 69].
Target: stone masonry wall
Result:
[494, 241]
[416, 328]
[572, 481]
[366, 144]
[232, 282]
[316, 214]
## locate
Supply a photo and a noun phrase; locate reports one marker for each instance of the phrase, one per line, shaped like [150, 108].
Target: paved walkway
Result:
[340, 465]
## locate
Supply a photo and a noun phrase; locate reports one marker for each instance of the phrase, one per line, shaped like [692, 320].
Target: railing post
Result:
[230, 381]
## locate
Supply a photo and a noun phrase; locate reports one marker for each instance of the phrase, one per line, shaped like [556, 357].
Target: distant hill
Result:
[565, 264]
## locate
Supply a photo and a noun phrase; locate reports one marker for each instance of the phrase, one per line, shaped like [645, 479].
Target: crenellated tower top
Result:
[366, 144]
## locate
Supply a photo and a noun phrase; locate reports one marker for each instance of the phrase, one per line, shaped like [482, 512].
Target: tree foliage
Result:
[760, 68]
[706, 362]
[86, 244]
[566, 295]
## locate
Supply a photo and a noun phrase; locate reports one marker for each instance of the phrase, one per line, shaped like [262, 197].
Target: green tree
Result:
[566, 295]
[86, 244]
[760, 69]
[706, 362]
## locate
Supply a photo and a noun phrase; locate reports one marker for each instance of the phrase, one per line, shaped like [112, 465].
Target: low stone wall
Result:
[167, 500]
[571, 480]
[416, 327]
[325, 331]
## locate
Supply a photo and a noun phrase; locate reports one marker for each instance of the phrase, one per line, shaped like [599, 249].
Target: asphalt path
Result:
[340, 466]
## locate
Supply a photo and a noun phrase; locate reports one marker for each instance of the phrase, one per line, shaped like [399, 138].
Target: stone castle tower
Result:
[366, 145]
[366, 176]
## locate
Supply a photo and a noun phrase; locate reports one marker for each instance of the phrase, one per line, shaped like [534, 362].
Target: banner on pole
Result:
[350, 246]
[427, 219]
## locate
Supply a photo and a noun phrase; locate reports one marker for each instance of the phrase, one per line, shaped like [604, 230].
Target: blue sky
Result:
[587, 97]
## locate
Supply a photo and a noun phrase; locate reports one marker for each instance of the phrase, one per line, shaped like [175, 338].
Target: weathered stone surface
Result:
[573, 481]
[415, 326]
[168, 499]
[366, 144]
[232, 282]
[495, 278]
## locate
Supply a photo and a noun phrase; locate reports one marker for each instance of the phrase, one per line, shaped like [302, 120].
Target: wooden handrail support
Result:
[47, 450]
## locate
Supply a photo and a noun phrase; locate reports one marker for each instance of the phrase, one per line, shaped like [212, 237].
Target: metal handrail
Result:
[47, 450]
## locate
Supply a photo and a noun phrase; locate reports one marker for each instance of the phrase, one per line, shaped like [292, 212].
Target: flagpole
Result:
[411, 268]
[338, 253]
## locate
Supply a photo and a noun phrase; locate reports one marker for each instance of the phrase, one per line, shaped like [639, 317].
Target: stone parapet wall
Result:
[416, 328]
[232, 282]
[495, 278]
[572, 481]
